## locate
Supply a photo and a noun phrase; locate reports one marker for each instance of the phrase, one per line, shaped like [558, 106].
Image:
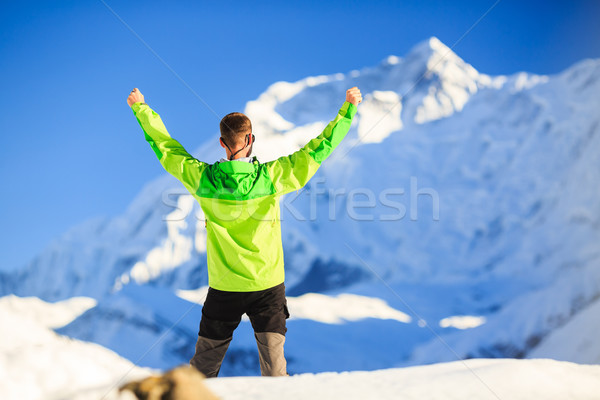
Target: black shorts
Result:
[222, 311]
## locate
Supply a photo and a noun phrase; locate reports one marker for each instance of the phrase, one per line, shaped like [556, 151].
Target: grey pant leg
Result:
[209, 355]
[270, 353]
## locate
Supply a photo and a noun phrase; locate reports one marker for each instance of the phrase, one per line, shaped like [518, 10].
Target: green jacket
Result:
[241, 200]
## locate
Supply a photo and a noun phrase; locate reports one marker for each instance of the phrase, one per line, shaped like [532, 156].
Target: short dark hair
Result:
[234, 127]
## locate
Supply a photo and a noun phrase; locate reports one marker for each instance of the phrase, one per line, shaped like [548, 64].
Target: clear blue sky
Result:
[72, 149]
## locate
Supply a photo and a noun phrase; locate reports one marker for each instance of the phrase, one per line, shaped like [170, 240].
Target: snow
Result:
[195, 296]
[379, 116]
[36, 363]
[50, 315]
[470, 379]
[524, 81]
[462, 321]
[576, 341]
[148, 325]
[456, 83]
[517, 328]
[176, 249]
[344, 307]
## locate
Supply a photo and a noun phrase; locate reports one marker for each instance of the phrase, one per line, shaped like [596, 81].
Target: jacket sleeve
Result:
[170, 153]
[292, 172]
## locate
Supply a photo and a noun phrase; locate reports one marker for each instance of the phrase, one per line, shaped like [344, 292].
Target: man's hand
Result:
[353, 95]
[135, 97]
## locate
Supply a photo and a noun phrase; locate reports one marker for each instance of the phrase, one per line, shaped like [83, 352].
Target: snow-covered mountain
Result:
[475, 199]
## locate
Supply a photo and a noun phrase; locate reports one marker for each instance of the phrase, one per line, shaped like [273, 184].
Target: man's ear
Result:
[221, 142]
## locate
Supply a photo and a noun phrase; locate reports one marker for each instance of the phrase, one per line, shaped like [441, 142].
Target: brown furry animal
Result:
[181, 383]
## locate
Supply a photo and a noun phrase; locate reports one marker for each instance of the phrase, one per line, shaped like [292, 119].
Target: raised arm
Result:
[292, 172]
[170, 152]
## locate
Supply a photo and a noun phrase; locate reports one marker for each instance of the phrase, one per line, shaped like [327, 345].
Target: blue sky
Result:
[72, 150]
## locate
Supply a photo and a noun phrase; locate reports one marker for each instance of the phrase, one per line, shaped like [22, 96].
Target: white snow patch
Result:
[348, 307]
[379, 115]
[462, 321]
[197, 296]
[437, 104]
[292, 141]
[176, 249]
[50, 315]
[316, 80]
[524, 81]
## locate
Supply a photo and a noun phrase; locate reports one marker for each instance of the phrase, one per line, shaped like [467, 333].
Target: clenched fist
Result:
[135, 97]
[353, 95]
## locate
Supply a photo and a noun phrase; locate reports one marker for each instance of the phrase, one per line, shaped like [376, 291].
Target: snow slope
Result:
[470, 379]
[36, 363]
[456, 196]
[576, 341]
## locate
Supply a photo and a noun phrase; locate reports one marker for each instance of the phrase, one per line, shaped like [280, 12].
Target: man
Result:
[240, 199]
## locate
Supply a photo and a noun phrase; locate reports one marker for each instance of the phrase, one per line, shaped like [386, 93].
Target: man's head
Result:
[236, 132]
